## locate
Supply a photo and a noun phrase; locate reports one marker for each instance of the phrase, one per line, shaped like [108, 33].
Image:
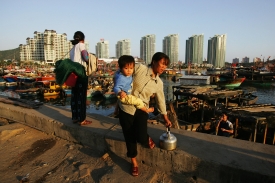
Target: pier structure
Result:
[206, 158]
[198, 109]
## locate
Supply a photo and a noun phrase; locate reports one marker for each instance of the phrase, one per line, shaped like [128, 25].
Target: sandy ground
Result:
[45, 158]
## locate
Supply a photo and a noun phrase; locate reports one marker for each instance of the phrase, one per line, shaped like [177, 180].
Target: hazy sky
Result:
[248, 24]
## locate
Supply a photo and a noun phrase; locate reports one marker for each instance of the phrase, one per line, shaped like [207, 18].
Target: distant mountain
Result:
[10, 54]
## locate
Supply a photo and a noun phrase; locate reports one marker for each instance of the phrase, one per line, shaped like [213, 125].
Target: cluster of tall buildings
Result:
[50, 46]
[244, 60]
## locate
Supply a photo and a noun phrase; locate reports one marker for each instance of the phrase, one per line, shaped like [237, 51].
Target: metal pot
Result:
[167, 140]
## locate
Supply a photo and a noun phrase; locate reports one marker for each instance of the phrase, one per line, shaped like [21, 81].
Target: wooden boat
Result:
[231, 83]
[54, 89]
[10, 78]
[50, 92]
[10, 81]
[2, 82]
[46, 79]
[22, 79]
[55, 86]
[31, 92]
[249, 99]
[49, 98]
[244, 99]
[171, 72]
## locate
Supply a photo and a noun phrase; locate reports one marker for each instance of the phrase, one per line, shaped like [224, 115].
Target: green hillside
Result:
[10, 54]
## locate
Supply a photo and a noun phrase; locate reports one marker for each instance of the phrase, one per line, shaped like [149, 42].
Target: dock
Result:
[198, 107]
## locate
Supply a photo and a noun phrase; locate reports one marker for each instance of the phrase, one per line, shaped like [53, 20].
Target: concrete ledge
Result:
[207, 158]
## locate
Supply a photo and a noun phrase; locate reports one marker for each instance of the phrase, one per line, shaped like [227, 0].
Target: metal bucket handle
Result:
[168, 132]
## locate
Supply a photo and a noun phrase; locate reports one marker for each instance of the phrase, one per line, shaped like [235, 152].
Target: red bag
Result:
[71, 80]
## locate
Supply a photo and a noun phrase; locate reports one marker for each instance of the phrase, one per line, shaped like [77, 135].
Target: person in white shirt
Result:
[80, 55]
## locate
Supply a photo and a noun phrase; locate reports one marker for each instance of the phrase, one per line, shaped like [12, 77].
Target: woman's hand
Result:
[167, 121]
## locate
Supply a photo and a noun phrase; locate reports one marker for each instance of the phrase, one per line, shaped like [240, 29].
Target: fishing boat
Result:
[171, 72]
[245, 99]
[54, 89]
[11, 81]
[55, 86]
[46, 79]
[226, 80]
[249, 99]
[10, 77]
[50, 92]
[24, 79]
[231, 83]
[2, 82]
[31, 92]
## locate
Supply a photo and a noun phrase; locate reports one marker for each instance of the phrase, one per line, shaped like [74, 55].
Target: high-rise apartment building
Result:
[147, 47]
[46, 47]
[257, 59]
[194, 49]
[102, 49]
[245, 60]
[170, 47]
[123, 47]
[236, 60]
[216, 50]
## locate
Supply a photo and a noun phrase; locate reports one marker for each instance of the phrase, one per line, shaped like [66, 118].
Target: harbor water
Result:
[264, 91]
[100, 105]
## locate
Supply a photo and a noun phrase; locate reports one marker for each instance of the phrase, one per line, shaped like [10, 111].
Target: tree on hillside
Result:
[10, 54]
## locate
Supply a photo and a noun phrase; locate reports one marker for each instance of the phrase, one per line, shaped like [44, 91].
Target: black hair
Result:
[224, 113]
[158, 56]
[124, 60]
[78, 36]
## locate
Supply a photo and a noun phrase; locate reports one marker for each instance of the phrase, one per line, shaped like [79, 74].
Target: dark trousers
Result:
[78, 100]
[134, 130]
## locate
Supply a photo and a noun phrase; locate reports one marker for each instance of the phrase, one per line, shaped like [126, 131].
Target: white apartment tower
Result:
[123, 47]
[46, 47]
[194, 49]
[102, 49]
[147, 47]
[216, 50]
[170, 47]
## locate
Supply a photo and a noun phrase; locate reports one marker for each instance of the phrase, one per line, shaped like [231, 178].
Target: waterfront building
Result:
[147, 47]
[123, 47]
[256, 59]
[102, 49]
[216, 50]
[194, 49]
[236, 60]
[170, 47]
[46, 47]
[245, 60]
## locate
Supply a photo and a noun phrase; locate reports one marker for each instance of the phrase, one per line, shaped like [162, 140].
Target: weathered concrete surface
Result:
[50, 159]
[207, 158]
